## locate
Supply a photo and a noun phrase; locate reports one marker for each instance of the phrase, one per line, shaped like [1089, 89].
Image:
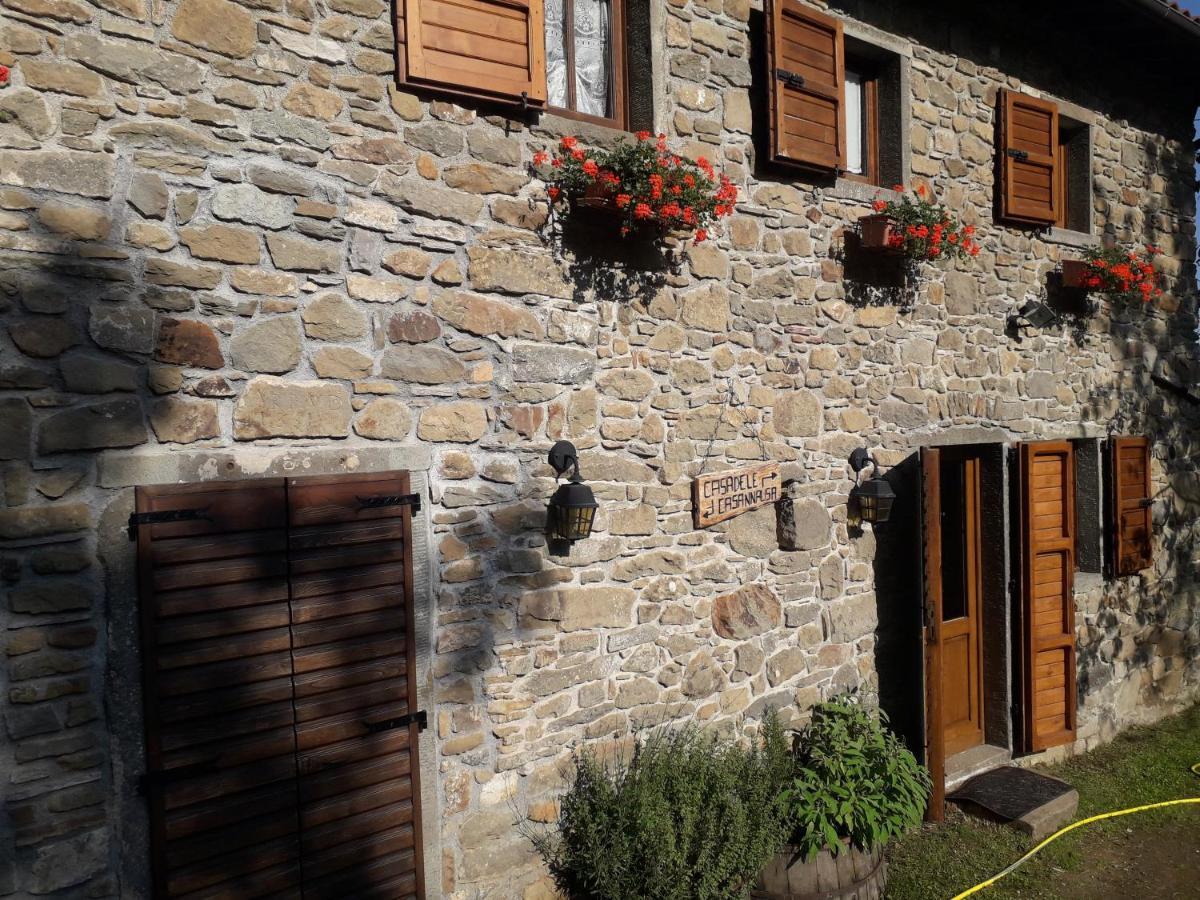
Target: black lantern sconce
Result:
[874, 497]
[572, 509]
[1033, 314]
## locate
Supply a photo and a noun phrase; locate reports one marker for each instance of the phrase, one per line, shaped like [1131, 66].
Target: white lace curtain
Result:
[591, 40]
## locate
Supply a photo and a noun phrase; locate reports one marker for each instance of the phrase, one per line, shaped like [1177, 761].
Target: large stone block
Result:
[331, 317]
[797, 413]
[384, 419]
[300, 255]
[486, 317]
[66, 171]
[127, 327]
[747, 612]
[804, 524]
[247, 204]
[181, 421]
[216, 25]
[17, 418]
[271, 346]
[95, 426]
[273, 407]
[186, 342]
[579, 608]
[422, 364]
[418, 196]
[549, 363]
[463, 422]
[223, 243]
[42, 521]
[517, 272]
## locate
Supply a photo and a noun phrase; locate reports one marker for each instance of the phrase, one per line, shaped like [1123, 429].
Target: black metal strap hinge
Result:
[1017, 154]
[166, 515]
[420, 717]
[791, 79]
[413, 500]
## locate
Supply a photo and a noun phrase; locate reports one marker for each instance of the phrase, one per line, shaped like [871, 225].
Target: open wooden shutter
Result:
[350, 563]
[931, 572]
[1131, 505]
[483, 48]
[806, 78]
[1029, 159]
[1048, 607]
[220, 736]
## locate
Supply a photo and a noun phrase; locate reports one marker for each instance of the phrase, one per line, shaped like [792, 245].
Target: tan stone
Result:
[78, 223]
[422, 364]
[259, 281]
[462, 422]
[314, 102]
[748, 611]
[626, 384]
[216, 25]
[40, 521]
[797, 413]
[146, 234]
[67, 171]
[448, 273]
[62, 78]
[274, 407]
[706, 308]
[341, 362]
[302, 255]
[186, 342]
[273, 346]
[406, 106]
[486, 317]
[224, 243]
[331, 317]
[517, 272]
[180, 421]
[172, 274]
[413, 327]
[384, 419]
[408, 261]
[480, 178]
[376, 290]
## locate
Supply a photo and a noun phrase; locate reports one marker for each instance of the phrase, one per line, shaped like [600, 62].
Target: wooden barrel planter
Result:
[851, 875]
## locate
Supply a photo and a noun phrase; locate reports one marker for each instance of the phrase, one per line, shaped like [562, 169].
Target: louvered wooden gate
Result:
[280, 688]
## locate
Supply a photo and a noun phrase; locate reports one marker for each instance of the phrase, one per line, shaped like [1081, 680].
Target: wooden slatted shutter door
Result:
[806, 78]
[931, 578]
[1048, 608]
[1132, 524]
[484, 48]
[1029, 159]
[351, 574]
[278, 643]
[220, 729]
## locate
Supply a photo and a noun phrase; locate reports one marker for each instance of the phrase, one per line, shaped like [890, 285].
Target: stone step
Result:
[961, 767]
[1031, 802]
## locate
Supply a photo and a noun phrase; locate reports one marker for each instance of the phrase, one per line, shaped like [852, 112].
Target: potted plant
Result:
[854, 787]
[1126, 275]
[917, 228]
[641, 186]
[686, 816]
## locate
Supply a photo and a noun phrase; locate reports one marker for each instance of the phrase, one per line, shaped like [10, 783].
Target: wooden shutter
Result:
[355, 662]
[220, 738]
[931, 572]
[1131, 504]
[806, 78]
[280, 679]
[484, 48]
[1048, 607]
[1029, 159]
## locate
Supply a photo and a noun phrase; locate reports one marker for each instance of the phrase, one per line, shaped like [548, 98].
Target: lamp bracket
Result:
[860, 459]
[563, 456]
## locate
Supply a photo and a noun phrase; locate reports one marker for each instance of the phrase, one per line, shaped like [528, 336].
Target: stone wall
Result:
[223, 227]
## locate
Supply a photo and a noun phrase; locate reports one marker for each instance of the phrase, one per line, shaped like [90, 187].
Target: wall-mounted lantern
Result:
[572, 509]
[1034, 314]
[874, 497]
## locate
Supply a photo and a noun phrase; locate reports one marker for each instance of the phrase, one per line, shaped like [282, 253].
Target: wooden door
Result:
[279, 688]
[961, 654]
[220, 736]
[1047, 480]
[931, 568]
[352, 628]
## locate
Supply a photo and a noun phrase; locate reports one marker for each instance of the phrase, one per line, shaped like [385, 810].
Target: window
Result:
[585, 62]
[862, 122]
[1073, 175]
[1089, 531]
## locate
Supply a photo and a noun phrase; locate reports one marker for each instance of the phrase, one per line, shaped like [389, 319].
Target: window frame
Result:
[1074, 204]
[868, 74]
[619, 67]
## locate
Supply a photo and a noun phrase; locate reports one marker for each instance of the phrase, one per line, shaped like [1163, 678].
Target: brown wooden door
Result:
[278, 645]
[931, 568]
[1047, 583]
[962, 668]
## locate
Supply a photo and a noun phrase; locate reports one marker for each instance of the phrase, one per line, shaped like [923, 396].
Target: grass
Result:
[1143, 765]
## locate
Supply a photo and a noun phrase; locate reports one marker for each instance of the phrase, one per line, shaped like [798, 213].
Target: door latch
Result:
[166, 515]
[791, 79]
[1022, 155]
[413, 500]
[420, 717]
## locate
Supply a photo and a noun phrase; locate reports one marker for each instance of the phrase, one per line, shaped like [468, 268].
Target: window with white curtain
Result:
[855, 144]
[583, 61]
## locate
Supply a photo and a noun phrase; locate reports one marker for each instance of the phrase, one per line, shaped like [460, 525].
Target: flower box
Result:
[1075, 273]
[875, 232]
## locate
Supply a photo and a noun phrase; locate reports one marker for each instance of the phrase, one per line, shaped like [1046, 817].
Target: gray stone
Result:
[148, 194]
[61, 864]
[15, 435]
[272, 346]
[67, 171]
[273, 407]
[331, 317]
[422, 364]
[418, 196]
[89, 373]
[962, 293]
[246, 203]
[135, 62]
[115, 423]
[804, 525]
[548, 363]
[754, 533]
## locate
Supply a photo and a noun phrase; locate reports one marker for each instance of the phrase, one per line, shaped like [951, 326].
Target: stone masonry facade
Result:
[226, 236]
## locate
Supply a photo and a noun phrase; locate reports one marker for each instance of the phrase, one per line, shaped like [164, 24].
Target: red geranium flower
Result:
[4, 73]
[701, 235]
[540, 157]
[642, 211]
[569, 142]
[590, 168]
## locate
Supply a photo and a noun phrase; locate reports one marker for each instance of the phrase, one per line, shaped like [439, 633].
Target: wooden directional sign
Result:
[723, 495]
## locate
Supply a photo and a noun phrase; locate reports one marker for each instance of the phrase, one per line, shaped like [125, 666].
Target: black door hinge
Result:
[791, 79]
[420, 717]
[1017, 154]
[413, 500]
[166, 515]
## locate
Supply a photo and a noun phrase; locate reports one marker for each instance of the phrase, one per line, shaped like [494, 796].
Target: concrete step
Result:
[961, 767]
[1016, 802]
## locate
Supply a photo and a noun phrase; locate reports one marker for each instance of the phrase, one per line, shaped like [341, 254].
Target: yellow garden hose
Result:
[1054, 837]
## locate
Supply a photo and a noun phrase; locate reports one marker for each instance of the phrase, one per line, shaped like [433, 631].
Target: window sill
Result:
[849, 189]
[558, 126]
[1069, 238]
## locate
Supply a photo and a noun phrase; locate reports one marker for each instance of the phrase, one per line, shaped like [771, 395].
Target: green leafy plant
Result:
[924, 229]
[686, 817]
[853, 780]
[1127, 275]
[644, 183]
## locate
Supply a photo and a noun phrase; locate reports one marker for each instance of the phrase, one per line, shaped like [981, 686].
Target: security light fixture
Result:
[1036, 314]
[873, 497]
[572, 509]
